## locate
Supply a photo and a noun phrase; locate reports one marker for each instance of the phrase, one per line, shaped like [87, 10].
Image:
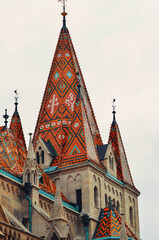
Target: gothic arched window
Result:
[54, 237]
[96, 196]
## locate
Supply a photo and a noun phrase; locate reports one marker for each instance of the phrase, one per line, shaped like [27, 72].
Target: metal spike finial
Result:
[64, 11]
[113, 104]
[16, 99]
[5, 116]
[114, 112]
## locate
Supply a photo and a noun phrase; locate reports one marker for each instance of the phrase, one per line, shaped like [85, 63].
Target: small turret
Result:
[30, 170]
[15, 125]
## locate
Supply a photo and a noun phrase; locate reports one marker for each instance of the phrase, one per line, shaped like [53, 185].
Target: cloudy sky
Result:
[117, 44]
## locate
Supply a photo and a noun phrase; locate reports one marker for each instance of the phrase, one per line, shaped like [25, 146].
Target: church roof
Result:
[80, 146]
[123, 171]
[59, 98]
[12, 152]
[109, 226]
[16, 127]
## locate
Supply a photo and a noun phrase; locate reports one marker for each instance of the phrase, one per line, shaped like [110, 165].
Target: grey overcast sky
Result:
[117, 44]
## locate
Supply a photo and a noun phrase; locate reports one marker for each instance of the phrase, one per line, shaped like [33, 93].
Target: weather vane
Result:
[113, 105]
[63, 3]
[16, 96]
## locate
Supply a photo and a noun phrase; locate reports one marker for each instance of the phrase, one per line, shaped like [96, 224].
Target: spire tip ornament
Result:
[64, 14]
[5, 116]
[16, 99]
[114, 112]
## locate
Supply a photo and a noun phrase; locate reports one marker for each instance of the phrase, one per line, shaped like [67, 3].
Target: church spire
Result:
[59, 99]
[15, 124]
[123, 171]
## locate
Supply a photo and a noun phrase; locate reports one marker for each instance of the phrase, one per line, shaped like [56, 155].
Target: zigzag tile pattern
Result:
[109, 225]
[58, 103]
[123, 171]
[16, 128]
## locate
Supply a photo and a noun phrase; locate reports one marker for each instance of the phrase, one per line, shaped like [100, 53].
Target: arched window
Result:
[106, 201]
[118, 207]
[131, 215]
[37, 157]
[96, 196]
[42, 156]
[54, 237]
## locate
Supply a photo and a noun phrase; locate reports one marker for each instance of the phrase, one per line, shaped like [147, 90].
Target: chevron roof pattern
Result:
[123, 171]
[58, 103]
[109, 225]
[16, 128]
[79, 146]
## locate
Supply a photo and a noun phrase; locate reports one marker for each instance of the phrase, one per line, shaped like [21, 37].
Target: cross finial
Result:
[64, 11]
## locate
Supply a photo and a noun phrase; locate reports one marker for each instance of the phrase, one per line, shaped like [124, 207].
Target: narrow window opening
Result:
[37, 157]
[79, 199]
[131, 216]
[42, 156]
[96, 196]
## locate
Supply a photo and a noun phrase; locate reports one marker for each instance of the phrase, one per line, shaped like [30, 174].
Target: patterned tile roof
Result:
[79, 146]
[16, 127]
[13, 156]
[12, 152]
[109, 225]
[123, 171]
[58, 103]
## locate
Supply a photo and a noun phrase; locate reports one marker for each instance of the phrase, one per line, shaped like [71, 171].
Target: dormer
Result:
[45, 153]
[107, 158]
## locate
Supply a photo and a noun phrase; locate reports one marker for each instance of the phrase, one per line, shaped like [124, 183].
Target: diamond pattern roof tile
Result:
[58, 103]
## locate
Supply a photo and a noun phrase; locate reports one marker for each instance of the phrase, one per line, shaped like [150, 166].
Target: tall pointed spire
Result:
[123, 171]
[58, 103]
[15, 124]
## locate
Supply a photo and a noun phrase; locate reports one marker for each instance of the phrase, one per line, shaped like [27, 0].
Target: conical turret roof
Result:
[58, 103]
[16, 127]
[123, 170]
[109, 226]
